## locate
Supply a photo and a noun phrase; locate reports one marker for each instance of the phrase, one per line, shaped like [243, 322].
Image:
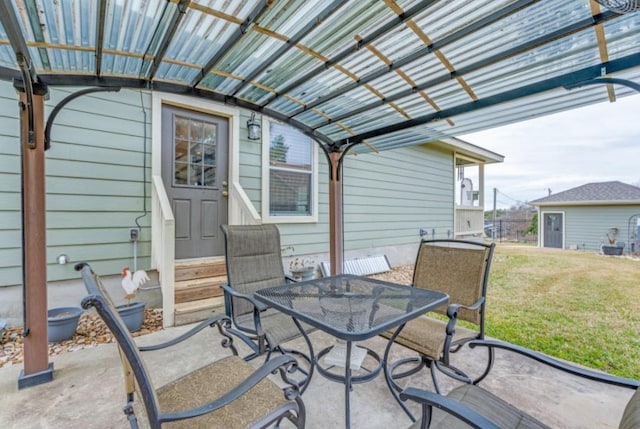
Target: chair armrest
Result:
[234, 293]
[560, 365]
[258, 307]
[283, 363]
[290, 279]
[452, 314]
[452, 309]
[450, 406]
[221, 321]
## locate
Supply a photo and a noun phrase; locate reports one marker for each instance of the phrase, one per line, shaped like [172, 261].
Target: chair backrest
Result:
[459, 268]
[254, 260]
[132, 363]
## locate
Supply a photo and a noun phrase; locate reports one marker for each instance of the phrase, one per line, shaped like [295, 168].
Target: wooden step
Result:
[198, 295]
[196, 311]
[199, 268]
[192, 290]
[201, 304]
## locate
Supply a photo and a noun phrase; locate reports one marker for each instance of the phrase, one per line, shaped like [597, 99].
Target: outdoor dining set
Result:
[265, 310]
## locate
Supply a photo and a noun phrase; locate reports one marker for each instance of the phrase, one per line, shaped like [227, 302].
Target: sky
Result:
[597, 143]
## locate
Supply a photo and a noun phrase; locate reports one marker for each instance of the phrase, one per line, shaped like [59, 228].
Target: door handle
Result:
[225, 183]
[225, 194]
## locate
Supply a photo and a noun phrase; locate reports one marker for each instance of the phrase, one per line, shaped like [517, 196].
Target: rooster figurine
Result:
[131, 282]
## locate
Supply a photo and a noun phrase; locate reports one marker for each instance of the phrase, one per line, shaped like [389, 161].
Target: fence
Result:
[510, 230]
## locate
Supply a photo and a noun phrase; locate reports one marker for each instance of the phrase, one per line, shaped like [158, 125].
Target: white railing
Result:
[469, 220]
[241, 210]
[163, 247]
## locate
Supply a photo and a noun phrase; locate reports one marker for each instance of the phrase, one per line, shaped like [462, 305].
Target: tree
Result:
[533, 226]
[488, 215]
[278, 152]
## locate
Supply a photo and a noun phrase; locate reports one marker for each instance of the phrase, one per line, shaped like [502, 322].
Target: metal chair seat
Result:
[213, 381]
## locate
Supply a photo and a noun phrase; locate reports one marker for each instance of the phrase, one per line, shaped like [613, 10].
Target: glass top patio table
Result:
[349, 307]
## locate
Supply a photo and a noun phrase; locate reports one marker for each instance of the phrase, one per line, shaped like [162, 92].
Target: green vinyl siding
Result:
[250, 163]
[10, 213]
[387, 198]
[96, 187]
[586, 226]
[390, 196]
[95, 183]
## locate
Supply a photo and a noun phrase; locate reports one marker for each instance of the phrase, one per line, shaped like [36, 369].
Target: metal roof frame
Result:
[258, 10]
[365, 101]
[460, 72]
[320, 72]
[570, 80]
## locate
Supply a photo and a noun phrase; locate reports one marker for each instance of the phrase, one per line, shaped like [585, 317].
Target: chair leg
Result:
[490, 358]
[131, 415]
[301, 417]
[298, 418]
[458, 374]
[307, 358]
[451, 371]
[419, 363]
[389, 378]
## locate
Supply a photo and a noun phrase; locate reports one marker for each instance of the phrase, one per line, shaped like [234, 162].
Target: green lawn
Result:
[578, 306]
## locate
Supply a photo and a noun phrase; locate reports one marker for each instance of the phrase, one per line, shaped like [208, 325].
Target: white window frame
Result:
[266, 216]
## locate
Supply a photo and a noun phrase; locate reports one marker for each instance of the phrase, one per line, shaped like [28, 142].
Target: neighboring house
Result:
[142, 160]
[581, 218]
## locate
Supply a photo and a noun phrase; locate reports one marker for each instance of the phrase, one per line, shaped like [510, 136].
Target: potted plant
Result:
[302, 268]
[613, 246]
[132, 313]
[62, 323]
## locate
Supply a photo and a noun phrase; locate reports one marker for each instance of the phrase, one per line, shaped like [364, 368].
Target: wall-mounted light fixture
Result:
[253, 128]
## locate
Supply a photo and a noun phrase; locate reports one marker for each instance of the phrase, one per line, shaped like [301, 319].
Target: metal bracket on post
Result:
[61, 104]
[30, 89]
[605, 80]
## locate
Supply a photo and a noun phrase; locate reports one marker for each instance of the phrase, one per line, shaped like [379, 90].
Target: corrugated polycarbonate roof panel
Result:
[414, 105]
[199, 36]
[340, 30]
[618, 32]
[129, 29]
[258, 46]
[340, 70]
[7, 56]
[522, 70]
[252, 49]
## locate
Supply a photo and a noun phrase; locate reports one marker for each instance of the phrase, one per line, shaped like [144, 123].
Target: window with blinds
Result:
[291, 172]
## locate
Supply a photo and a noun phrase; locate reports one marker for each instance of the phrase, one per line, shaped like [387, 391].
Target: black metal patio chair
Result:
[227, 393]
[470, 405]
[254, 261]
[460, 268]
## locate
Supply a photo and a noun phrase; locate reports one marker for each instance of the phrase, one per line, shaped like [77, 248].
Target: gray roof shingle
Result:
[594, 193]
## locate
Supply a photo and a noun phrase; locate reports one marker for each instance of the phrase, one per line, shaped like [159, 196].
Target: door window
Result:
[195, 153]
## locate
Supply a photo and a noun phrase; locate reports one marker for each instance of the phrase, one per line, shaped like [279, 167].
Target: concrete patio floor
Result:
[87, 390]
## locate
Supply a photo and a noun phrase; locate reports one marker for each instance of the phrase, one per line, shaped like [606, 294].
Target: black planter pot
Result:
[62, 323]
[132, 315]
[612, 250]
